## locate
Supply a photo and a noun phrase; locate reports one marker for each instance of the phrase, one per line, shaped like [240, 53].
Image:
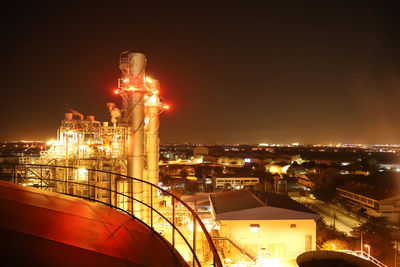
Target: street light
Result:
[369, 250]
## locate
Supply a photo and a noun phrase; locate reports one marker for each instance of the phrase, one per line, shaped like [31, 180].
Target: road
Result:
[344, 221]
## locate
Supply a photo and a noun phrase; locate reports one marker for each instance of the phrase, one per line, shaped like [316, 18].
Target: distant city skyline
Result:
[308, 72]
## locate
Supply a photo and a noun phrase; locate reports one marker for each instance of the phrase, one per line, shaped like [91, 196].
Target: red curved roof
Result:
[38, 227]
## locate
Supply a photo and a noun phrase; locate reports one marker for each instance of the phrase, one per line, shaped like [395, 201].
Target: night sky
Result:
[281, 71]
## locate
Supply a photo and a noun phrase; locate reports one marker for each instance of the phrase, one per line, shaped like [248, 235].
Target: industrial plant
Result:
[128, 146]
[117, 163]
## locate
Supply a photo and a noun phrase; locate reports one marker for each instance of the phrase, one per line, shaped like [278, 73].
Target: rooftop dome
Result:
[42, 228]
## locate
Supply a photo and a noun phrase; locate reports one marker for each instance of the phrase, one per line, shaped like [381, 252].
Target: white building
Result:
[234, 181]
[376, 201]
[277, 229]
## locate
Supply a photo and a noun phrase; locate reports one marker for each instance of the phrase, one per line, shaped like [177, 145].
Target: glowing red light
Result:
[166, 106]
[116, 91]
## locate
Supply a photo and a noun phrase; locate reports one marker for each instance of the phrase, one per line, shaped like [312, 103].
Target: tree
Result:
[336, 244]
[191, 187]
[378, 237]
[324, 186]
[326, 233]
[265, 179]
[227, 187]
[209, 188]
[370, 165]
[183, 173]
[293, 169]
[199, 172]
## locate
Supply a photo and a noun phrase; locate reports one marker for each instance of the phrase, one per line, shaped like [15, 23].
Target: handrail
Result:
[196, 219]
[242, 250]
[364, 255]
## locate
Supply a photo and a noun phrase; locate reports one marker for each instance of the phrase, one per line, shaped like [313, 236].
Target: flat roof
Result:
[243, 205]
[234, 200]
[368, 190]
[233, 176]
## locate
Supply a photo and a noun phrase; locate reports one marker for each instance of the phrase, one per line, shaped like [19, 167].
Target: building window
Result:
[254, 228]
[293, 225]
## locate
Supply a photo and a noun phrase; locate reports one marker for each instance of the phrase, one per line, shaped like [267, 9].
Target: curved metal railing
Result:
[87, 183]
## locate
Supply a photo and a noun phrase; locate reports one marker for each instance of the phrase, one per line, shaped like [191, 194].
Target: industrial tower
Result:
[141, 107]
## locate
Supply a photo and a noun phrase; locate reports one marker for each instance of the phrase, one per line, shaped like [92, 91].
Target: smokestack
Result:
[152, 143]
[137, 64]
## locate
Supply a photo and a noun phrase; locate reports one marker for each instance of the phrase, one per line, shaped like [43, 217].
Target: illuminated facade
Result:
[234, 181]
[276, 230]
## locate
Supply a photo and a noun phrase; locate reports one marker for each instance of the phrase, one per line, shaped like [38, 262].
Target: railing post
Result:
[57, 184]
[116, 191]
[173, 222]
[194, 239]
[15, 173]
[88, 185]
[110, 188]
[41, 177]
[151, 207]
[131, 195]
[65, 180]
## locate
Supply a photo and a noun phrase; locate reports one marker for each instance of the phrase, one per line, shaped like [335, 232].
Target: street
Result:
[343, 220]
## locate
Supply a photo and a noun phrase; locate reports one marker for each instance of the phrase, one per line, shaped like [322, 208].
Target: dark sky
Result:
[281, 71]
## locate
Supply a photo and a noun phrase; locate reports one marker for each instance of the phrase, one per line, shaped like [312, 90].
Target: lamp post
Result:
[369, 250]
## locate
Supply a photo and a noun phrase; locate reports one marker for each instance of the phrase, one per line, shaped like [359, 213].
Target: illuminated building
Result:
[234, 181]
[377, 202]
[276, 229]
[230, 160]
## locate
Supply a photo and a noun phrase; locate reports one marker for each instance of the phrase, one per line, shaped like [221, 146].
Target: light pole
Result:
[369, 250]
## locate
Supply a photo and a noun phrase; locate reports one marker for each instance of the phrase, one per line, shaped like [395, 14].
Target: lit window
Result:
[293, 225]
[254, 228]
